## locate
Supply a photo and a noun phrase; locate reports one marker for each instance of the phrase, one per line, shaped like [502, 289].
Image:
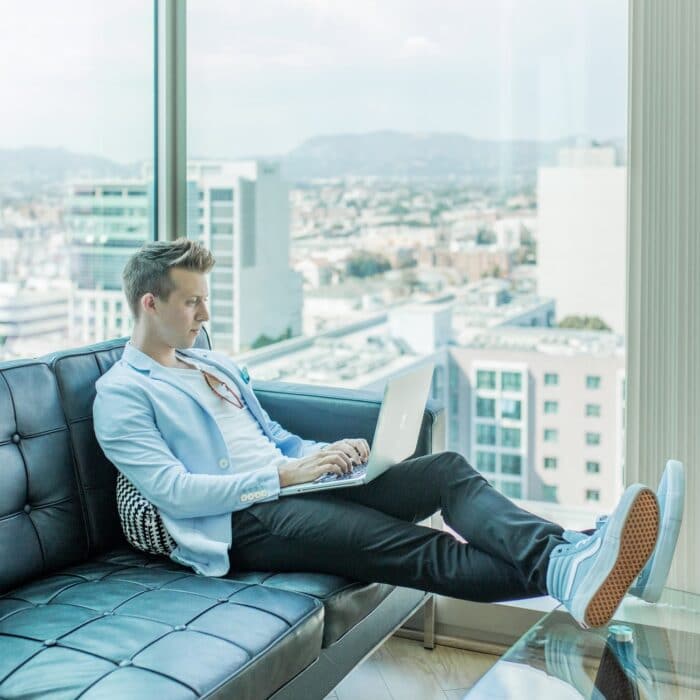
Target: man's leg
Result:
[417, 488]
[318, 532]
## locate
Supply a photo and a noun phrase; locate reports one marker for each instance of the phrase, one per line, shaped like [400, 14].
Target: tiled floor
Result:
[402, 669]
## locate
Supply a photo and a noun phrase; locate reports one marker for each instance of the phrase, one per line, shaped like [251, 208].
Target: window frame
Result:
[170, 22]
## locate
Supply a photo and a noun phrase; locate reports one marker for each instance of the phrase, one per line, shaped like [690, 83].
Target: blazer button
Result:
[223, 463]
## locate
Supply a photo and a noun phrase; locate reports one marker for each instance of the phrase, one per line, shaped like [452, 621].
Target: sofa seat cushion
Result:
[133, 626]
[346, 602]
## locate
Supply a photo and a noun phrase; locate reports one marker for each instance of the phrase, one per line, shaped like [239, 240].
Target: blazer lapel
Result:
[139, 360]
[247, 393]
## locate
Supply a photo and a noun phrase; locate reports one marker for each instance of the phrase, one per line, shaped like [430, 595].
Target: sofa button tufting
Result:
[16, 438]
[50, 643]
[125, 662]
[107, 613]
[27, 508]
[180, 628]
[222, 600]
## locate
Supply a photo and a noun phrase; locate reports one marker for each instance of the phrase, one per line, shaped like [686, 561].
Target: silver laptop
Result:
[395, 436]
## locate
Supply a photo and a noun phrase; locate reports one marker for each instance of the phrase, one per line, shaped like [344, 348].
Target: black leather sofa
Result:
[83, 615]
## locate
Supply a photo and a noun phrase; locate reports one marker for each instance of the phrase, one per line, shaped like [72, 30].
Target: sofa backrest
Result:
[42, 524]
[77, 371]
[57, 489]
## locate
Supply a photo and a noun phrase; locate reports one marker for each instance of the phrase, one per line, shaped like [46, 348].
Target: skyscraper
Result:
[581, 232]
[239, 210]
[242, 215]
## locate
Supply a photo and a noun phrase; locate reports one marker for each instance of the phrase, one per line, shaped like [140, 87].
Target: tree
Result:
[365, 264]
[584, 323]
[485, 237]
[495, 271]
[262, 340]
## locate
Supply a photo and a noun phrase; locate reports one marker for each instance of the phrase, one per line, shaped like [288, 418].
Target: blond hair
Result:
[148, 269]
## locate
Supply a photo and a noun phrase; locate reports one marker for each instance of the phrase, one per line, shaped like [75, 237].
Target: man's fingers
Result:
[347, 447]
[327, 469]
[339, 458]
[361, 448]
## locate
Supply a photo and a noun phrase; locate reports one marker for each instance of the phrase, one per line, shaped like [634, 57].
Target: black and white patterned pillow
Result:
[141, 522]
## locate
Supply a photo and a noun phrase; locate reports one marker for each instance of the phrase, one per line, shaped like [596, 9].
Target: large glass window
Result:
[511, 381]
[485, 434]
[486, 461]
[511, 464]
[511, 409]
[549, 493]
[512, 489]
[592, 382]
[510, 437]
[551, 379]
[406, 183]
[485, 379]
[551, 407]
[593, 438]
[551, 435]
[485, 408]
[76, 182]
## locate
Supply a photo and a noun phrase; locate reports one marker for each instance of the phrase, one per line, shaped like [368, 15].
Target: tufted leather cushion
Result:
[100, 620]
[76, 372]
[345, 602]
[41, 520]
[127, 625]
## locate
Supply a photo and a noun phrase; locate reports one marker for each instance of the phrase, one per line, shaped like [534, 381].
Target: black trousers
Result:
[369, 533]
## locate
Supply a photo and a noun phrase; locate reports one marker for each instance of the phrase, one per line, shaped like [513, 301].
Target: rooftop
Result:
[550, 341]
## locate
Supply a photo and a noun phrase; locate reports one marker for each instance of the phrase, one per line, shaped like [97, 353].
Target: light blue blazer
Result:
[155, 431]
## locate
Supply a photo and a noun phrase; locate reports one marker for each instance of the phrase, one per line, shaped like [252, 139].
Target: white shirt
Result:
[249, 448]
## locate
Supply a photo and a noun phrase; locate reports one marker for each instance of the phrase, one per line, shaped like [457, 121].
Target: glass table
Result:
[646, 652]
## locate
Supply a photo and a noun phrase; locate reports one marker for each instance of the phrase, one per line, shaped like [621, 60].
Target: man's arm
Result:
[308, 447]
[126, 430]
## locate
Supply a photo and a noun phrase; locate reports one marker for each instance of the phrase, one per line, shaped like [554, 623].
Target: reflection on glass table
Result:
[647, 652]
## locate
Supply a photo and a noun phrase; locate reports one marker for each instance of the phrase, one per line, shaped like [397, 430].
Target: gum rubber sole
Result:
[637, 542]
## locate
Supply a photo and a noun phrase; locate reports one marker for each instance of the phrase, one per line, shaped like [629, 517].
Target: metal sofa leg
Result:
[429, 623]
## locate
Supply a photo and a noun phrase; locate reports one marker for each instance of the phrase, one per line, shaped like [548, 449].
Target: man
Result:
[184, 426]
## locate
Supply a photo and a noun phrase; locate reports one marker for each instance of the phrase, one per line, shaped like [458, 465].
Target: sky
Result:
[264, 76]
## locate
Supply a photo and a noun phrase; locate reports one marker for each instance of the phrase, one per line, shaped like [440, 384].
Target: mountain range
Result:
[380, 153]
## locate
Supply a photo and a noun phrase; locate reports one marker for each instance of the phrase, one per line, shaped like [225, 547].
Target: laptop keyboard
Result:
[357, 471]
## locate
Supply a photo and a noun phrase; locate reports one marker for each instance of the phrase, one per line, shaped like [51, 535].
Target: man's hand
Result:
[356, 449]
[310, 468]
[338, 458]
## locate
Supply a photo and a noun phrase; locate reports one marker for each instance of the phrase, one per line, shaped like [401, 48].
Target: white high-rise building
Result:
[581, 235]
[239, 210]
[33, 317]
[542, 412]
[242, 215]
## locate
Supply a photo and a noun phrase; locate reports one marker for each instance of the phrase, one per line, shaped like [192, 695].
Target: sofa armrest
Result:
[327, 414]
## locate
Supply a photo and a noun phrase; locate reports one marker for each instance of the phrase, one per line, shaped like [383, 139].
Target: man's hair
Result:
[148, 269]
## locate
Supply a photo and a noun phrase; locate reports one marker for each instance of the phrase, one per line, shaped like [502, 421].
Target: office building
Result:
[238, 210]
[541, 412]
[581, 235]
[242, 215]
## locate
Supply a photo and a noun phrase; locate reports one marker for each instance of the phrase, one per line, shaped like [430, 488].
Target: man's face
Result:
[179, 319]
